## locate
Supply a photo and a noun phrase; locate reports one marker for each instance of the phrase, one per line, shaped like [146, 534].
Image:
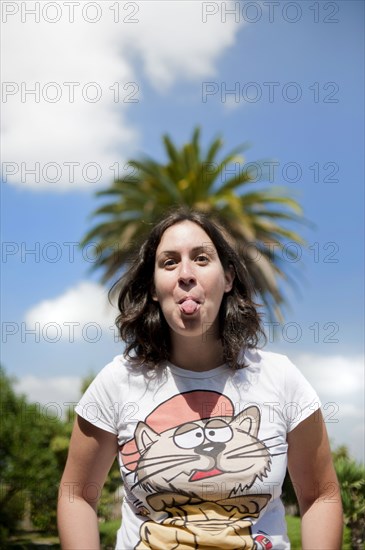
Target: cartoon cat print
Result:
[198, 473]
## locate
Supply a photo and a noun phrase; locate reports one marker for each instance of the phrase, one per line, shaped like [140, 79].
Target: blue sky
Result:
[295, 72]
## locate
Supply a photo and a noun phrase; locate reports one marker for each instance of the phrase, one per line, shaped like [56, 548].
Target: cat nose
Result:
[211, 448]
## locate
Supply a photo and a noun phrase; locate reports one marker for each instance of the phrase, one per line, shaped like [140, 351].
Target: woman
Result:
[202, 422]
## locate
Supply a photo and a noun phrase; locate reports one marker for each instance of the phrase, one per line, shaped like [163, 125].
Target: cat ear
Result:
[144, 437]
[249, 420]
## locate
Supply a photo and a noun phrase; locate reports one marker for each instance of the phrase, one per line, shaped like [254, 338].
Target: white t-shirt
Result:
[202, 454]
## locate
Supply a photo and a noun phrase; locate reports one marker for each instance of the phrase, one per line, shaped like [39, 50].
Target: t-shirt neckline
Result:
[197, 374]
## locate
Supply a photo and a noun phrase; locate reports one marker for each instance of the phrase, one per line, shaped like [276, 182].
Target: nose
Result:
[186, 273]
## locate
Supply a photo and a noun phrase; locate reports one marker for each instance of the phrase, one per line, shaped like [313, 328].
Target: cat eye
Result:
[216, 433]
[189, 439]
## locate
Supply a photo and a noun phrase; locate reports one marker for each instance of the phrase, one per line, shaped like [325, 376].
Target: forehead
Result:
[185, 234]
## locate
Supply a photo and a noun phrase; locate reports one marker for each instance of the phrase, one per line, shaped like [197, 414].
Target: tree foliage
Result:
[351, 477]
[30, 466]
[33, 452]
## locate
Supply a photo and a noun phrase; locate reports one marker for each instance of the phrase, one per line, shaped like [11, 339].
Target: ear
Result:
[144, 437]
[229, 278]
[153, 293]
[249, 420]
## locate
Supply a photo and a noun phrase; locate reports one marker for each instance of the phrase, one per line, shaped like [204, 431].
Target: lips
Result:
[189, 305]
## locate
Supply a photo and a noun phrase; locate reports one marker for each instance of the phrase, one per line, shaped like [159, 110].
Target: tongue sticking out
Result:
[189, 306]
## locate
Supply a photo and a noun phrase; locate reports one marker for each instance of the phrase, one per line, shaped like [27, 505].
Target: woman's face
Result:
[189, 280]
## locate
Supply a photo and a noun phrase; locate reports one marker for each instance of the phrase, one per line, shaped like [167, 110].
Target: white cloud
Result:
[169, 38]
[81, 312]
[37, 130]
[175, 43]
[351, 410]
[335, 375]
[55, 395]
[339, 382]
[232, 101]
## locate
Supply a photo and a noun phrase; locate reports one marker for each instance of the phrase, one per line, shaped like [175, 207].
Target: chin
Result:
[188, 329]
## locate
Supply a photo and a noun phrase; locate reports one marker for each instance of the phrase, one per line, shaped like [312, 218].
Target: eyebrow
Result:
[195, 249]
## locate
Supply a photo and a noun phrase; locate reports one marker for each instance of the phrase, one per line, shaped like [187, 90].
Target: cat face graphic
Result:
[202, 450]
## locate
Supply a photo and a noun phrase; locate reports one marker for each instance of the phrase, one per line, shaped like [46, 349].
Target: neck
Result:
[195, 354]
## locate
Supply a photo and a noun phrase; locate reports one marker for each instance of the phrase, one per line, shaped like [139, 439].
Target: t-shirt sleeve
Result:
[98, 404]
[301, 398]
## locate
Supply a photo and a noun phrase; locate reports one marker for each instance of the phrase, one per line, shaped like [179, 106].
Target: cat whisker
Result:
[170, 463]
[271, 446]
[254, 444]
[140, 481]
[268, 438]
[247, 446]
[246, 455]
[256, 439]
[168, 459]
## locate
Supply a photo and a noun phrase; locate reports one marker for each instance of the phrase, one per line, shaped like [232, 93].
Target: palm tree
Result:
[252, 214]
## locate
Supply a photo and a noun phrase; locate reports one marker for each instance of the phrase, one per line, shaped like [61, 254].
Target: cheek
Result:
[217, 287]
[162, 287]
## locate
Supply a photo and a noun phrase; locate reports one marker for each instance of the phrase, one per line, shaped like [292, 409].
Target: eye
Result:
[202, 259]
[170, 262]
[218, 434]
[190, 439]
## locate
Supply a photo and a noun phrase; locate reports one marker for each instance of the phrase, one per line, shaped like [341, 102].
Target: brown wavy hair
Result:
[141, 323]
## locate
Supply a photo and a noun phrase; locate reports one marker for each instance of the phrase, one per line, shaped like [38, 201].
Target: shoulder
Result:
[118, 377]
[108, 391]
[267, 360]
[276, 369]
[110, 381]
[112, 372]
[118, 369]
